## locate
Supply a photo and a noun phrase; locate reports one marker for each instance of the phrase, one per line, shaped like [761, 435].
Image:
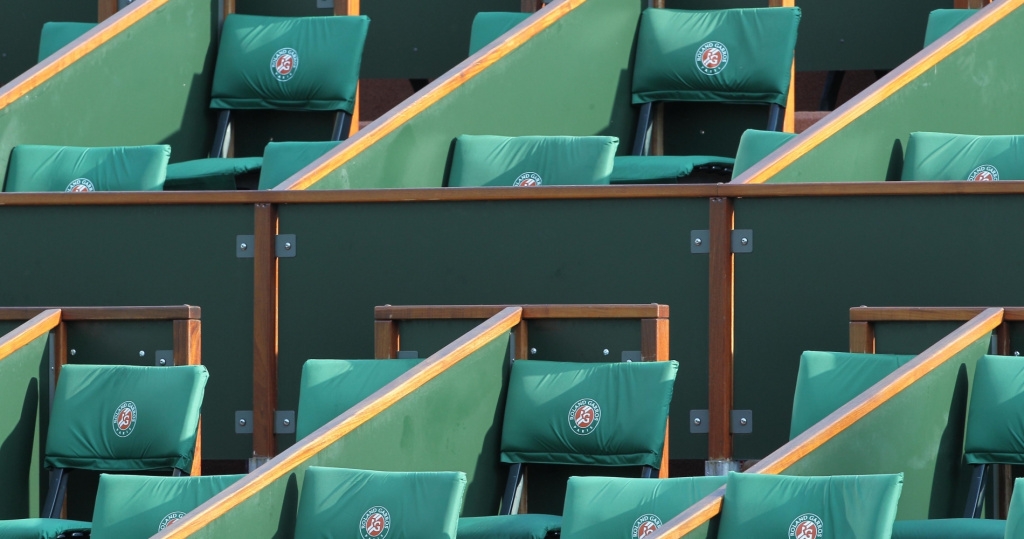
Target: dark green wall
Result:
[21, 21]
[24, 378]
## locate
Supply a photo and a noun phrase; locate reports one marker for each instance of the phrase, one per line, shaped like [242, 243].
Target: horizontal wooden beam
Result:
[73, 314]
[37, 326]
[469, 312]
[927, 314]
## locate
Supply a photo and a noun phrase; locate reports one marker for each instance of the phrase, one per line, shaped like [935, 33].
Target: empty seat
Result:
[56, 35]
[941, 21]
[281, 160]
[77, 170]
[945, 156]
[755, 145]
[485, 160]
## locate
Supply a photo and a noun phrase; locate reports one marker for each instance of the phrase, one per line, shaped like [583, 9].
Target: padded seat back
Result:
[56, 35]
[755, 145]
[944, 156]
[941, 21]
[610, 414]
[1015, 515]
[281, 160]
[121, 418]
[75, 169]
[490, 25]
[485, 160]
[995, 419]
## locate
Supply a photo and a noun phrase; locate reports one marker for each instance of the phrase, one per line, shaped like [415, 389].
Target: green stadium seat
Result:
[314, 66]
[945, 156]
[951, 528]
[485, 160]
[490, 25]
[281, 160]
[613, 507]
[942, 21]
[137, 507]
[56, 35]
[1015, 516]
[837, 507]
[755, 145]
[71, 169]
[354, 504]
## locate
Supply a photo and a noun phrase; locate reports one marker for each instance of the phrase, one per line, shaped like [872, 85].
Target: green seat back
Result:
[490, 25]
[725, 55]
[995, 419]
[825, 381]
[941, 21]
[115, 417]
[611, 507]
[72, 169]
[755, 145]
[836, 507]
[530, 161]
[659, 168]
[1015, 515]
[283, 159]
[949, 528]
[133, 506]
[40, 528]
[56, 35]
[352, 504]
[521, 526]
[302, 63]
[214, 173]
[607, 414]
[329, 387]
[944, 156]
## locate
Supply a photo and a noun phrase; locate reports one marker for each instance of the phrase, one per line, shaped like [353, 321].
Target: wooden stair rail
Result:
[37, 326]
[862, 322]
[845, 416]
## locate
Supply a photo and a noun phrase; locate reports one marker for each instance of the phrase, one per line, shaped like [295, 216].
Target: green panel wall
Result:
[910, 338]
[24, 379]
[21, 22]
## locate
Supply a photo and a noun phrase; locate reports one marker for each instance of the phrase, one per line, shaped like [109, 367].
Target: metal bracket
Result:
[408, 354]
[164, 358]
[698, 421]
[742, 422]
[629, 356]
[243, 422]
[743, 241]
[285, 245]
[700, 241]
[245, 246]
[284, 422]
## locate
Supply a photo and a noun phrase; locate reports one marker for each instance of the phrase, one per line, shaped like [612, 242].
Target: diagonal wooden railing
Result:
[39, 324]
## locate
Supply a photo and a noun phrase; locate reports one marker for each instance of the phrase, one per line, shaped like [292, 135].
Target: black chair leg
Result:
[642, 142]
[646, 472]
[513, 490]
[342, 126]
[977, 491]
[55, 495]
[220, 135]
[830, 95]
[776, 117]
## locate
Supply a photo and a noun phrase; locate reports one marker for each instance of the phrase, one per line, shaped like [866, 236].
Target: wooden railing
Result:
[863, 319]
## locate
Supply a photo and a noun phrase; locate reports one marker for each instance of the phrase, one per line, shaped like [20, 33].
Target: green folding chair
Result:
[339, 503]
[78, 170]
[276, 63]
[941, 21]
[976, 158]
[611, 414]
[281, 160]
[486, 160]
[115, 418]
[57, 35]
[755, 145]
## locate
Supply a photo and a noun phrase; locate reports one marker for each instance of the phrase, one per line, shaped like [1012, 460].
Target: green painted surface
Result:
[24, 379]
[21, 22]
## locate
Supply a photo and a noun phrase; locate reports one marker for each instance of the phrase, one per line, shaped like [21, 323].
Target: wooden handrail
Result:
[848, 414]
[39, 325]
[466, 312]
[927, 314]
[78, 314]
[359, 414]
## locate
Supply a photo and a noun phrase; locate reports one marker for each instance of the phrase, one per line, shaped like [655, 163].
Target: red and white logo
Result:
[806, 526]
[645, 525]
[125, 417]
[528, 179]
[712, 57]
[376, 523]
[284, 63]
[584, 416]
[984, 173]
[81, 185]
[171, 518]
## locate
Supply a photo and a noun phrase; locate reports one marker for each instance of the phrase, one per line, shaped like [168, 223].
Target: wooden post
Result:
[521, 336]
[60, 351]
[385, 339]
[229, 7]
[862, 337]
[720, 335]
[530, 6]
[264, 375]
[654, 347]
[350, 7]
[188, 342]
[105, 9]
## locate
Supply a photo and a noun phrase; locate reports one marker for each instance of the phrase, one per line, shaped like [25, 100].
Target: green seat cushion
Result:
[995, 419]
[349, 504]
[215, 173]
[490, 25]
[56, 35]
[116, 417]
[723, 55]
[825, 381]
[941, 21]
[329, 387]
[944, 156]
[951, 528]
[281, 160]
[608, 414]
[74, 169]
[836, 507]
[755, 145]
[1015, 516]
[612, 507]
[282, 63]
[648, 168]
[132, 506]
[529, 526]
[39, 528]
[480, 160]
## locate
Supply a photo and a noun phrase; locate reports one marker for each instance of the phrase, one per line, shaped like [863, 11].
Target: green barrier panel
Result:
[24, 383]
[21, 23]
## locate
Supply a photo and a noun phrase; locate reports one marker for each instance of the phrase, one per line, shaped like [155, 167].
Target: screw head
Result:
[287, 246]
[605, 351]
[73, 351]
[743, 421]
[533, 351]
[286, 422]
[696, 421]
[697, 242]
[241, 422]
[243, 246]
[142, 353]
[1016, 353]
[163, 361]
[744, 241]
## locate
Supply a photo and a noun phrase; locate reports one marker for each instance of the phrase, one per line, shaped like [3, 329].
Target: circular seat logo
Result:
[527, 179]
[984, 173]
[171, 518]
[376, 522]
[806, 526]
[284, 63]
[81, 185]
[712, 57]
[584, 416]
[124, 419]
[645, 525]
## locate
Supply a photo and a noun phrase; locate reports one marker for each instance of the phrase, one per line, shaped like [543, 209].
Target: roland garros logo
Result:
[645, 525]
[806, 526]
[284, 63]
[171, 518]
[584, 416]
[124, 419]
[712, 57]
[376, 522]
[527, 179]
[984, 173]
[81, 185]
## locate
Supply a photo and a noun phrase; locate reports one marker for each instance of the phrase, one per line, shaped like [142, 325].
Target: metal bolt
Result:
[743, 421]
[696, 421]
[1015, 352]
[243, 246]
[286, 422]
[697, 242]
[73, 351]
[533, 351]
[163, 362]
[744, 241]
[241, 422]
[287, 246]
[605, 351]
[701, 131]
[142, 353]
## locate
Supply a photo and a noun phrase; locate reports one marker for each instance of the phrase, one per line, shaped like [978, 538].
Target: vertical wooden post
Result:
[350, 7]
[385, 339]
[229, 7]
[530, 6]
[862, 337]
[105, 9]
[188, 351]
[789, 119]
[654, 347]
[264, 375]
[720, 335]
[60, 351]
[521, 341]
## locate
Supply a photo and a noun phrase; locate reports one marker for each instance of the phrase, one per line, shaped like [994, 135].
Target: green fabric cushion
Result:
[528, 161]
[329, 387]
[344, 504]
[529, 526]
[612, 507]
[133, 506]
[56, 35]
[995, 419]
[39, 528]
[215, 173]
[944, 156]
[755, 145]
[609, 414]
[840, 506]
[1015, 516]
[951, 528]
[257, 66]
[825, 381]
[679, 55]
[647, 168]
[117, 417]
[941, 21]
[281, 160]
[490, 25]
[72, 169]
